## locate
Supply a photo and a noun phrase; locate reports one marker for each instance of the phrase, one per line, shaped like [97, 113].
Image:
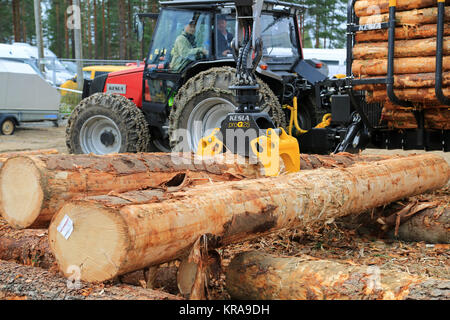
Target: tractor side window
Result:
[278, 35]
[181, 38]
[225, 30]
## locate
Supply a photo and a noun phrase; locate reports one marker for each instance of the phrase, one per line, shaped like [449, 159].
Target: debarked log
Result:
[31, 283]
[411, 17]
[421, 95]
[370, 7]
[33, 188]
[401, 66]
[108, 236]
[259, 276]
[404, 32]
[419, 80]
[403, 49]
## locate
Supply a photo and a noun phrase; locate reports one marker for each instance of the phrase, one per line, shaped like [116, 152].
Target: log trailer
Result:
[160, 108]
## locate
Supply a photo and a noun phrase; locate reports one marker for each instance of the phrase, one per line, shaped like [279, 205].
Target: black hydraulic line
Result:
[439, 53]
[391, 54]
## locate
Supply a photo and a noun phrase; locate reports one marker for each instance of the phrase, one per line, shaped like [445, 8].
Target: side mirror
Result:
[138, 28]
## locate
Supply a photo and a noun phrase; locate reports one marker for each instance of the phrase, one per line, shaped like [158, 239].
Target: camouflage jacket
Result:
[183, 52]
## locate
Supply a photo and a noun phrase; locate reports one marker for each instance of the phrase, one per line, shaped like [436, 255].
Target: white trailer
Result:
[25, 96]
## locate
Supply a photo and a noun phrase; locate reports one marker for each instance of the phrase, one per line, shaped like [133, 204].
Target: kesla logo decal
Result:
[116, 88]
[239, 118]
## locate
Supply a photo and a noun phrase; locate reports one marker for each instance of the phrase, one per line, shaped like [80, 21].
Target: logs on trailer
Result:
[378, 67]
[22, 282]
[404, 32]
[413, 17]
[108, 236]
[32, 189]
[371, 7]
[404, 119]
[424, 95]
[419, 80]
[403, 49]
[259, 276]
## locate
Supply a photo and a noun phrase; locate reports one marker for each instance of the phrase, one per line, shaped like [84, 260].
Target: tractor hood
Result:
[126, 72]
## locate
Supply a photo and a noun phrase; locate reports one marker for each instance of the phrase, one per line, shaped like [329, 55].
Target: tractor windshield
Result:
[278, 34]
[181, 38]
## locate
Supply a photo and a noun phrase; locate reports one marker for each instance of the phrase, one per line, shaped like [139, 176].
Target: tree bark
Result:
[369, 7]
[403, 49]
[28, 247]
[114, 235]
[258, 276]
[33, 188]
[404, 32]
[413, 17]
[431, 226]
[419, 80]
[17, 281]
[401, 65]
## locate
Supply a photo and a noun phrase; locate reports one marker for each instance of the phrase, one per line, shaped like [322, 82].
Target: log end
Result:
[88, 241]
[21, 192]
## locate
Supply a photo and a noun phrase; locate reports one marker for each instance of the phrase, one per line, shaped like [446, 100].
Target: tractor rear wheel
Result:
[105, 123]
[205, 100]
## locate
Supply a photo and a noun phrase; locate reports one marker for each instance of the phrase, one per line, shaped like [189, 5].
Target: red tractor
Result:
[172, 101]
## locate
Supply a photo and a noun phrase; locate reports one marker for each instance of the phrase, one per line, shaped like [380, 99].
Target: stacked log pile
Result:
[414, 60]
[116, 214]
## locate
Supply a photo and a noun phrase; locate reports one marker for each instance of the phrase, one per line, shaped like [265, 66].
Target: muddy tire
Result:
[105, 123]
[205, 100]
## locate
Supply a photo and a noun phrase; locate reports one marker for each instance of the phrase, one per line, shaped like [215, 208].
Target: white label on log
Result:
[66, 227]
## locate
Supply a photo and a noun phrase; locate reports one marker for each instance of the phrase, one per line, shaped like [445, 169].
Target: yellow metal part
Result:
[210, 145]
[326, 120]
[340, 76]
[270, 148]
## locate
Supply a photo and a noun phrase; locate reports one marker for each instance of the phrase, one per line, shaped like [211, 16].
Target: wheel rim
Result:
[100, 135]
[8, 127]
[206, 116]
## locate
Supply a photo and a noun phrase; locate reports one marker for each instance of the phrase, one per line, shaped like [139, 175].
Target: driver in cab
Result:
[185, 48]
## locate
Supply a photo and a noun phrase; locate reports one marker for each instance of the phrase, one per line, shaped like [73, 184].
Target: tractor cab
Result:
[191, 37]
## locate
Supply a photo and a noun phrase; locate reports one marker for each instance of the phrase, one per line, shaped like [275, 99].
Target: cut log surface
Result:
[254, 275]
[405, 32]
[6, 156]
[412, 17]
[38, 284]
[370, 7]
[112, 235]
[33, 188]
[401, 66]
[419, 80]
[403, 49]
